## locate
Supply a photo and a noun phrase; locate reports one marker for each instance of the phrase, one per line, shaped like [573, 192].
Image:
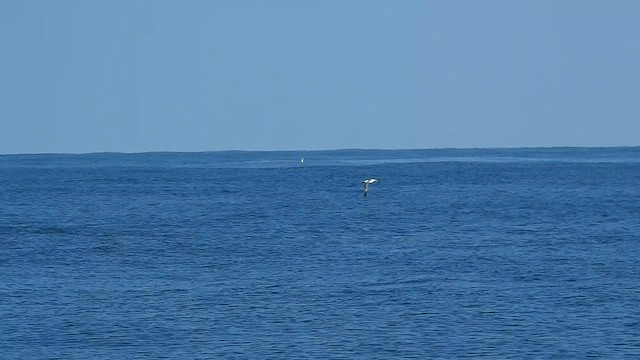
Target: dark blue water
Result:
[531, 253]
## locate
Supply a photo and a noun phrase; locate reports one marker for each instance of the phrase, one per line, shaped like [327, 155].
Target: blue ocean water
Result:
[525, 253]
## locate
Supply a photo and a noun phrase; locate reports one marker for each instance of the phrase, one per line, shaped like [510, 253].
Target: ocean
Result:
[494, 253]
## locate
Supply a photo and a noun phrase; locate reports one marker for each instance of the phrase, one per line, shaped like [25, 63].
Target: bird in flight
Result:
[367, 183]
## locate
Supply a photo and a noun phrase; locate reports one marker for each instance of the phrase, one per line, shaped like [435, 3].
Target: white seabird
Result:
[367, 183]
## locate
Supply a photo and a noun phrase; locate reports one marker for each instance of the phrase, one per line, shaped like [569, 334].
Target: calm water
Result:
[531, 253]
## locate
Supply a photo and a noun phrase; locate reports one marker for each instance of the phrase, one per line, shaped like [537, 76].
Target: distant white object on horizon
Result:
[367, 183]
[302, 160]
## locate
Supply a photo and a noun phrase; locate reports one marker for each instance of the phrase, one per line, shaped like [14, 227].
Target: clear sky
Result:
[186, 75]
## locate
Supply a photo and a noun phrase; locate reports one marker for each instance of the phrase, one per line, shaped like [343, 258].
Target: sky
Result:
[80, 76]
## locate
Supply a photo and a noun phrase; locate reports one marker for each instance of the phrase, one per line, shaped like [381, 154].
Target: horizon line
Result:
[317, 150]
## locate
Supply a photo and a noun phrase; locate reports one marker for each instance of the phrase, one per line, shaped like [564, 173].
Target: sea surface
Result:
[498, 253]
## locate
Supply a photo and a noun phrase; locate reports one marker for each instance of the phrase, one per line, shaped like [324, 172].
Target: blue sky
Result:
[150, 75]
